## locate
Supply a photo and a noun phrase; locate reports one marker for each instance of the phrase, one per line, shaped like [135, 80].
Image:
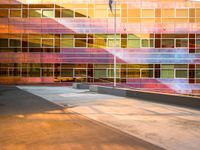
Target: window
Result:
[133, 73]
[111, 73]
[80, 72]
[167, 43]
[48, 13]
[99, 73]
[100, 13]
[47, 72]
[3, 42]
[198, 43]
[80, 43]
[4, 13]
[66, 72]
[181, 73]
[67, 13]
[35, 13]
[111, 43]
[81, 13]
[15, 43]
[181, 43]
[197, 73]
[147, 43]
[133, 43]
[167, 13]
[100, 43]
[167, 73]
[134, 12]
[34, 43]
[147, 73]
[148, 13]
[182, 13]
[47, 42]
[198, 12]
[66, 43]
[15, 13]
[34, 72]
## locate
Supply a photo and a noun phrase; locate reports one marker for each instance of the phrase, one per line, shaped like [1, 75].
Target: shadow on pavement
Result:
[15, 101]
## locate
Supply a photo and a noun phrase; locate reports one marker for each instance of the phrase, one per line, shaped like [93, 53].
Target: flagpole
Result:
[115, 45]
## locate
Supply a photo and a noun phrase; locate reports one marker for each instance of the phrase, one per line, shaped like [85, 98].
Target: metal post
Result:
[115, 44]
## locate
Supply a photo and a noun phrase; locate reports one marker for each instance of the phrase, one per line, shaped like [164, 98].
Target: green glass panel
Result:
[181, 43]
[167, 66]
[48, 13]
[100, 73]
[3, 42]
[15, 43]
[168, 43]
[197, 73]
[147, 73]
[133, 73]
[111, 73]
[66, 43]
[80, 43]
[66, 72]
[167, 73]
[35, 13]
[67, 13]
[111, 43]
[145, 43]
[133, 36]
[181, 73]
[133, 43]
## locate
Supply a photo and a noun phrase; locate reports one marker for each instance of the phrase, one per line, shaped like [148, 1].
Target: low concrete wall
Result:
[80, 86]
[108, 90]
[178, 100]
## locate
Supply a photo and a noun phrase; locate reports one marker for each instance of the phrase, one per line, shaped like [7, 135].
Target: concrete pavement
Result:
[29, 122]
[171, 127]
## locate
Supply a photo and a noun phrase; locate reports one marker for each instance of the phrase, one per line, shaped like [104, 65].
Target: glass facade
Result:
[49, 41]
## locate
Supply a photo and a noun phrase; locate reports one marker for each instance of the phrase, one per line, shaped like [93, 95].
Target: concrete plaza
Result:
[167, 126]
[30, 122]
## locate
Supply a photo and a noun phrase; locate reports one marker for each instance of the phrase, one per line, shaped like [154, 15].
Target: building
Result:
[48, 41]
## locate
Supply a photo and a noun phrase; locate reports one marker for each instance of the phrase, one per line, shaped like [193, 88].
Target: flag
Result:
[110, 4]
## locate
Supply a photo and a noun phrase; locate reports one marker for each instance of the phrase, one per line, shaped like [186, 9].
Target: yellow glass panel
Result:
[47, 42]
[100, 43]
[182, 13]
[148, 13]
[72, 6]
[100, 13]
[148, 20]
[48, 13]
[197, 20]
[66, 43]
[110, 14]
[167, 13]
[134, 12]
[133, 20]
[101, 6]
[124, 20]
[133, 73]
[168, 20]
[15, 13]
[35, 13]
[181, 20]
[124, 12]
[67, 13]
[91, 13]
[198, 12]
[80, 13]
